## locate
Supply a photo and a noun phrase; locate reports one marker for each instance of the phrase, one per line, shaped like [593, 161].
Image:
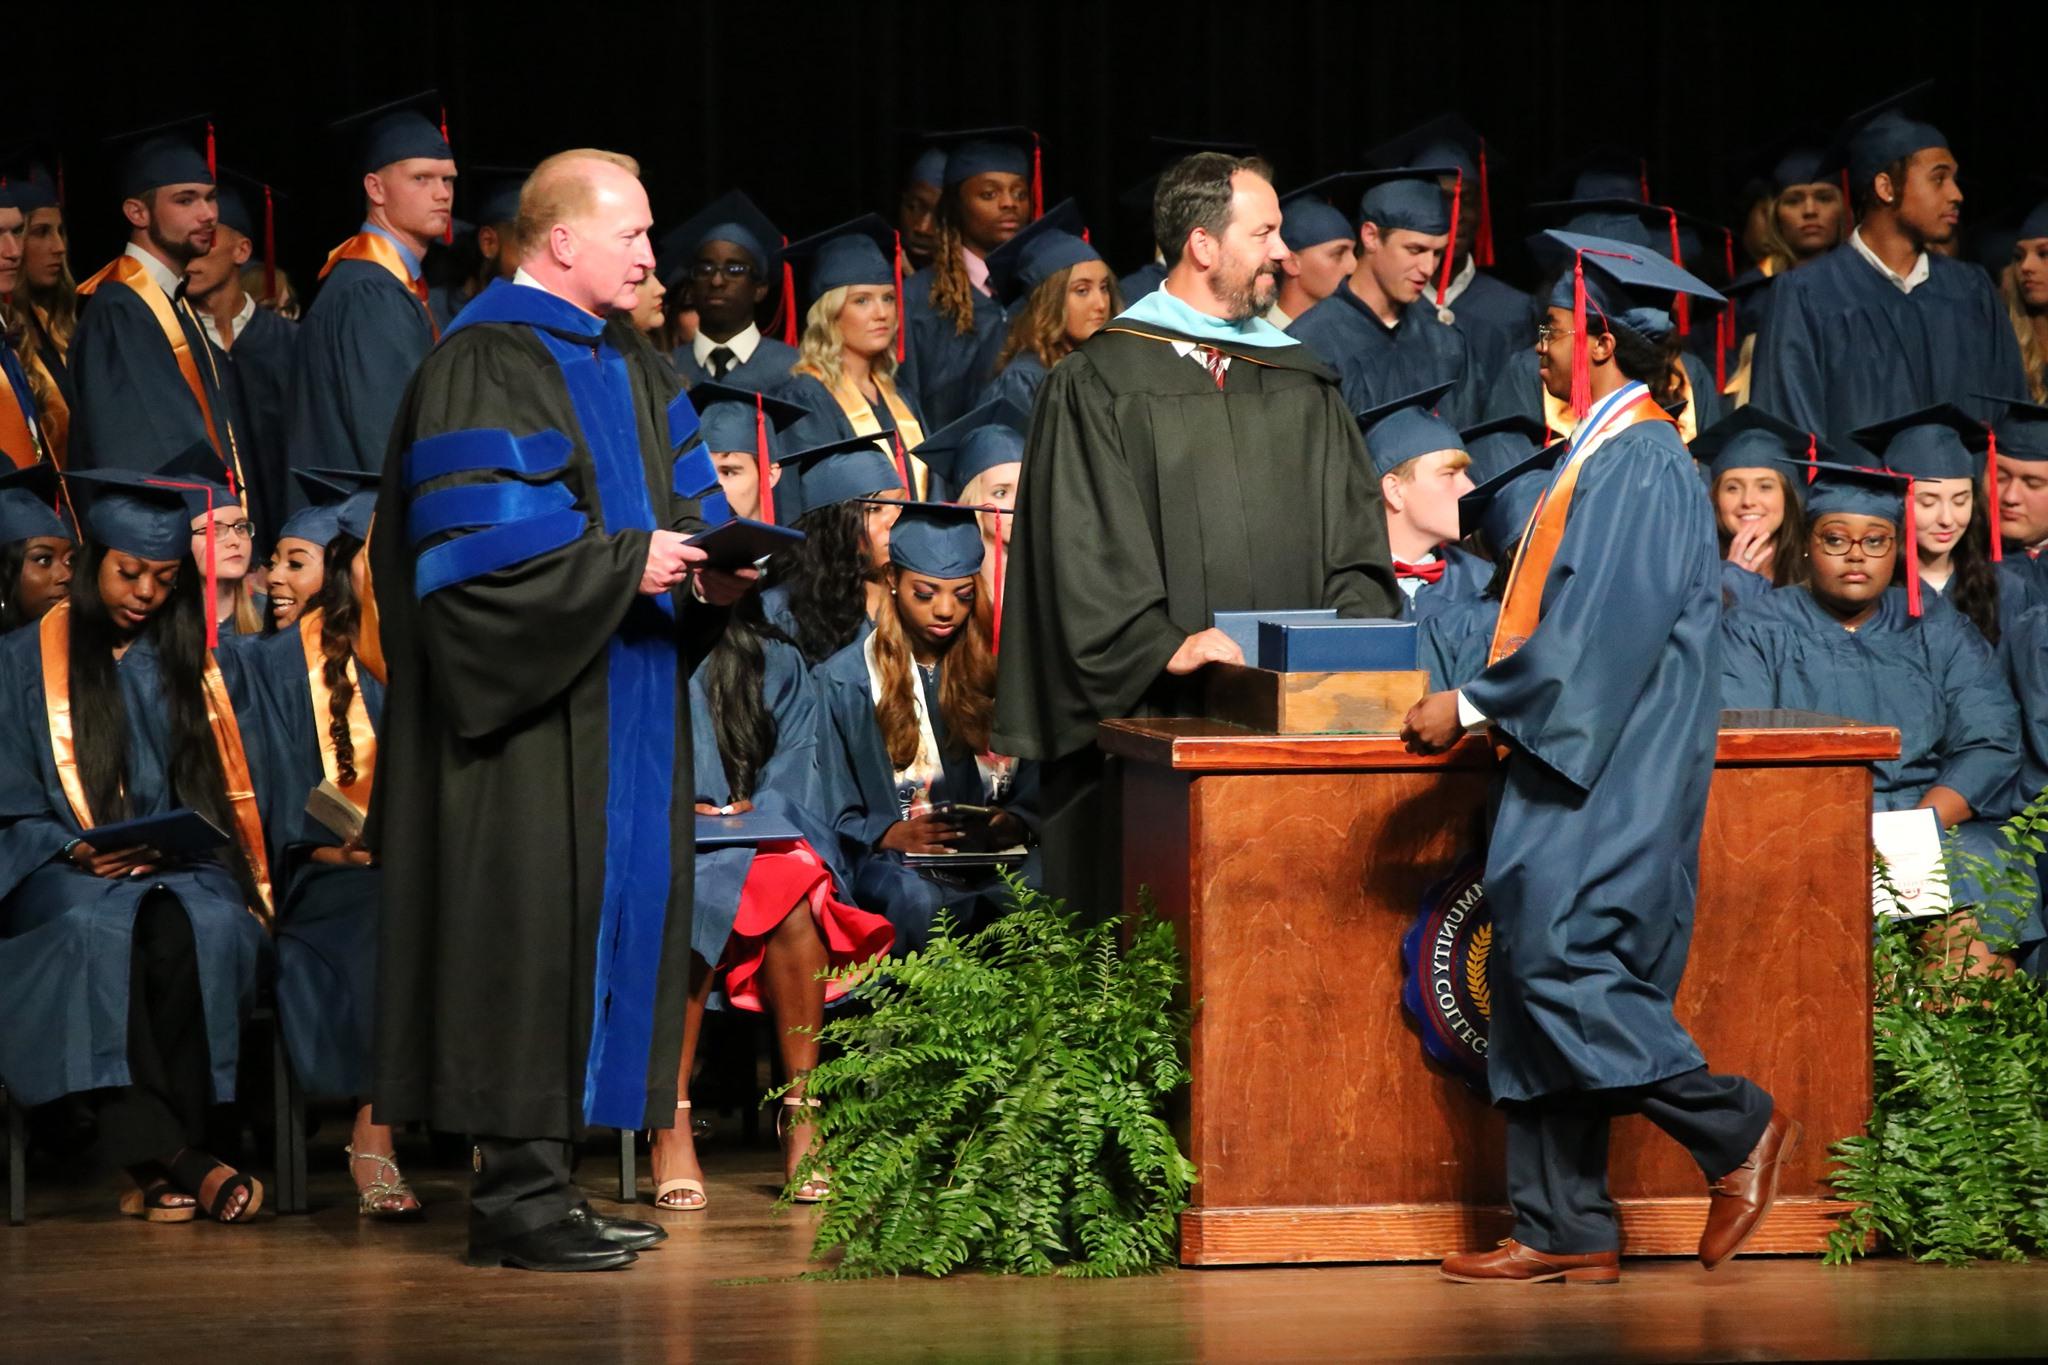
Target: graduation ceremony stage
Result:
[81, 1283]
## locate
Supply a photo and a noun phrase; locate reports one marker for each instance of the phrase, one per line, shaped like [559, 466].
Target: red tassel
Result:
[269, 248]
[1643, 177]
[447, 233]
[762, 461]
[1812, 458]
[789, 298]
[1084, 235]
[995, 630]
[901, 338]
[1724, 329]
[1582, 360]
[1991, 495]
[1482, 245]
[1037, 178]
[212, 170]
[1912, 555]
[1848, 205]
[1443, 279]
[1683, 308]
[902, 463]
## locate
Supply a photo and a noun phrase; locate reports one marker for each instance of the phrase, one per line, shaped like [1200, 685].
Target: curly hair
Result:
[340, 617]
[952, 292]
[967, 685]
[1040, 327]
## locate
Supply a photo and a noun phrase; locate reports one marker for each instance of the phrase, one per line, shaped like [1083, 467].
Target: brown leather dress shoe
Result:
[1741, 1198]
[1513, 1263]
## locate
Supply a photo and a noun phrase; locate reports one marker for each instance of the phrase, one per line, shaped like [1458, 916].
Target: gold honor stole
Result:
[865, 423]
[362, 738]
[55, 633]
[1521, 604]
[17, 429]
[368, 246]
[126, 270]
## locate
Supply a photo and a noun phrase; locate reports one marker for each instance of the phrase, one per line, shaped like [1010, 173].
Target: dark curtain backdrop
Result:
[802, 104]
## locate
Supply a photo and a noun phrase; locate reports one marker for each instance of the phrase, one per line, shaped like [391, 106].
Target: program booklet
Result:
[342, 817]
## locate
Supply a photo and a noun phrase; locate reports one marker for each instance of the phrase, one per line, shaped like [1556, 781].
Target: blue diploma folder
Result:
[175, 834]
[741, 542]
[1243, 626]
[737, 831]
[1337, 646]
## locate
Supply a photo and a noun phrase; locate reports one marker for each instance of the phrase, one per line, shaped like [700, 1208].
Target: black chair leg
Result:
[290, 1119]
[629, 1170]
[17, 1162]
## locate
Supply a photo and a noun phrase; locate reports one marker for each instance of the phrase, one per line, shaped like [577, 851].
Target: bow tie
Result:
[1428, 573]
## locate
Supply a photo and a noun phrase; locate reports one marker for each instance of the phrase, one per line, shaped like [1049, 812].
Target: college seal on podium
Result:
[1445, 989]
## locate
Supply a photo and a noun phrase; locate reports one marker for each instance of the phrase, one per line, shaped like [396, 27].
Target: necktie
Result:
[1428, 573]
[1215, 362]
[722, 360]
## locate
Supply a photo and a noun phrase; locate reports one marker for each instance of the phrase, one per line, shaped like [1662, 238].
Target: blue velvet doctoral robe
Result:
[261, 362]
[327, 915]
[1376, 363]
[358, 347]
[1611, 710]
[1935, 679]
[65, 934]
[765, 371]
[1518, 392]
[949, 367]
[1840, 347]
[133, 409]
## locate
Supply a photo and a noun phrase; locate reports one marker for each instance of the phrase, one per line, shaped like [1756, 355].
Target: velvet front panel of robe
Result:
[134, 409]
[1376, 363]
[1611, 708]
[359, 345]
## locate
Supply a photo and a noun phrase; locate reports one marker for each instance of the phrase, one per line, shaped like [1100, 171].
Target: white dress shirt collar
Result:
[1905, 283]
[165, 278]
[742, 344]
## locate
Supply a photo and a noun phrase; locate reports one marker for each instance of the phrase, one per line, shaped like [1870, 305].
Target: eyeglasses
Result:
[245, 529]
[1839, 544]
[1545, 333]
[732, 270]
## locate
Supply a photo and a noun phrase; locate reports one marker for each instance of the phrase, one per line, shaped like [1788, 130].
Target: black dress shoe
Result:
[566, 1245]
[630, 1233]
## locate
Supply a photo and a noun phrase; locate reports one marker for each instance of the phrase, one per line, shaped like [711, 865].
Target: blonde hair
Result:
[1405, 471]
[2033, 353]
[555, 193]
[819, 348]
[1778, 254]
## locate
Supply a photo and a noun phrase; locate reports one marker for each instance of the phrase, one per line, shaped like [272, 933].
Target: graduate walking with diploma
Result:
[1602, 686]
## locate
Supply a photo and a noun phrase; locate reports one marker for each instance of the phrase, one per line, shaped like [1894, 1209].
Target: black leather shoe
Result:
[566, 1245]
[630, 1233]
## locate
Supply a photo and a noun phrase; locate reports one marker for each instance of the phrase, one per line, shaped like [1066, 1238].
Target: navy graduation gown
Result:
[1611, 710]
[1144, 280]
[1376, 363]
[1018, 382]
[1496, 319]
[949, 363]
[1840, 347]
[1465, 577]
[65, 934]
[1739, 585]
[261, 362]
[133, 408]
[358, 347]
[2025, 657]
[1452, 643]
[765, 371]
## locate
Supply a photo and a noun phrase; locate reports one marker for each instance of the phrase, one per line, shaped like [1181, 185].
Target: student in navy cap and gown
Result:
[130, 973]
[1322, 250]
[1851, 643]
[825, 592]
[748, 435]
[1380, 330]
[230, 540]
[910, 706]
[1423, 467]
[949, 309]
[1058, 291]
[1756, 467]
[369, 327]
[917, 207]
[2025, 288]
[851, 347]
[298, 569]
[2022, 432]
[728, 258]
[978, 459]
[37, 546]
[35, 386]
[1882, 324]
[1451, 642]
[1602, 687]
[149, 383]
[1186, 402]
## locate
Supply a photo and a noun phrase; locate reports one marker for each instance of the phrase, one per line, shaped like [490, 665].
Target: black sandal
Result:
[192, 1170]
[150, 1199]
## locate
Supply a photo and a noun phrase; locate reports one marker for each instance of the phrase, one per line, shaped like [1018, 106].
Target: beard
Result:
[184, 252]
[1245, 298]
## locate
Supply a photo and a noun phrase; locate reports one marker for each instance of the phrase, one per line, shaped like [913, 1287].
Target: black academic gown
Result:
[533, 808]
[1840, 347]
[261, 362]
[765, 371]
[1377, 363]
[358, 347]
[133, 409]
[1611, 710]
[1151, 500]
[951, 365]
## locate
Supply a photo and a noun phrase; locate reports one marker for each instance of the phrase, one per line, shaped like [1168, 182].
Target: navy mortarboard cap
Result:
[1504, 442]
[937, 539]
[1038, 251]
[2035, 225]
[416, 126]
[1938, 442]
[1497, 509]
[731, 217]
[1605, 172]
[176, 153]
[28, 505]
[929, 168]
[202, 479]
[841, 470]
[1856, 491]
[318, 521]
[861, 251]
[495, 198]
[2022, 432]
[1406, 198]
[234, 211]
[1448, 140]
[1750, 438]
[1631, 285]
[1406, 427]
[1887, 131]
[25, 185]
[1309, 216]
[133, 512]
[975, 442]
[1799, 166]
[985, 151]
[730, 418]
[351, 495]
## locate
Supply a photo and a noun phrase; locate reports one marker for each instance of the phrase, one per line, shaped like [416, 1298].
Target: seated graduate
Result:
[846, 370]
[1422, 466]
[36, 546]
[1452, 641]
[978, 460]
[769, 917]
[130, 970]
[231, 540]
[1850, 643]
[35, 416]
[911, 706]
[825, 593]
[2024, 286]
[1322, 250]
[321, 711]
[1380, 330]
[917, 207]
[298, 569]
[1755, 466]
[46, 300]
[724, 261]
[1058, 291]
[949, 310]
[748, 435]
[2022, 434]
[1943, 451]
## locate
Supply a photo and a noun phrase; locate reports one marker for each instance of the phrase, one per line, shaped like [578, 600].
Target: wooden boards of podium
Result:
[1291, 867]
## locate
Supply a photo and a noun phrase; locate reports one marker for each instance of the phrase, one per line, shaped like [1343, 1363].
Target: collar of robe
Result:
[522, 304]
[1161, 309]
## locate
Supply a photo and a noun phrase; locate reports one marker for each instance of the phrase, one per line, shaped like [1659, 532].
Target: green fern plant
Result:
[1954, 1164]
[997, 1102]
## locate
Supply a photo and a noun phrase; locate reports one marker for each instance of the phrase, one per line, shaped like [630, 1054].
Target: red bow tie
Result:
[1428, 573]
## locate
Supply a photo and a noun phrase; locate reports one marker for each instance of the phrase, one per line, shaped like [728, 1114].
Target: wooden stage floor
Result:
[81, 1283]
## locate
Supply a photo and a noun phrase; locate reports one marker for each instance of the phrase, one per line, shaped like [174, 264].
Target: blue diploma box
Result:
[1332, 646]
[1243, 626]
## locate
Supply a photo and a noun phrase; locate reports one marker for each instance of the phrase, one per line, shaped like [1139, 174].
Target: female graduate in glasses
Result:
[1852, 643]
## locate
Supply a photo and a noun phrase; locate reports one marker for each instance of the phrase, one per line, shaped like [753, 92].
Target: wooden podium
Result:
[1291, 867]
